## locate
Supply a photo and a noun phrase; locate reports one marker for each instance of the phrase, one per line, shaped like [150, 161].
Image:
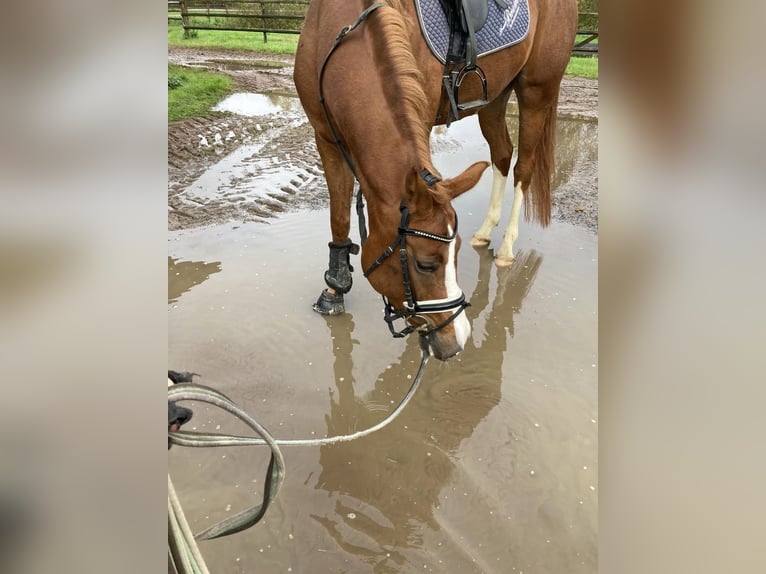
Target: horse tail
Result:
[539, 199]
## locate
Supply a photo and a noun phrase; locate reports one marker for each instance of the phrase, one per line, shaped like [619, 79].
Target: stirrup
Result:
[451, 83]
[472, 105]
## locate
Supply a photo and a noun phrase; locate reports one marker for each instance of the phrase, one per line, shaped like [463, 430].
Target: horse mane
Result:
[403, 85]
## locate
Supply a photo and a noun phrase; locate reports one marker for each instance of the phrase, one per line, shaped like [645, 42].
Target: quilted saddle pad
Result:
[503, 28]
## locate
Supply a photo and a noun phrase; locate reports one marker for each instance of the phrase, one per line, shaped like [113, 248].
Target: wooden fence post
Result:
[185, 18]
[263, 13]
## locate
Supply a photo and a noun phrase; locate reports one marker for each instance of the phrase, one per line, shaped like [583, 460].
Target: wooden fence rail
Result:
[286, 17]
[265, 16]
[587, 34]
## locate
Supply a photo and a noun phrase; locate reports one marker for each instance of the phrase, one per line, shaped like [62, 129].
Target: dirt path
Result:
[249, 188]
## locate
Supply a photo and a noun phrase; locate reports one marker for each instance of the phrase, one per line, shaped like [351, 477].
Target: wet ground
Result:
[493, 465]
[252, 184]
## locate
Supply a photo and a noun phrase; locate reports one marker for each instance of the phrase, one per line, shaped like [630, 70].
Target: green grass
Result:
[251, 41]
[583, 66]
[191, 93]
[581, 37]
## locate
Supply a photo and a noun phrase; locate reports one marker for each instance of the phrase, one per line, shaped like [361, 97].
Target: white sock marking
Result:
[512, 231]
[495, 204]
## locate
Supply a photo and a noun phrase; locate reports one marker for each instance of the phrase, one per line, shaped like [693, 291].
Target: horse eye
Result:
[426, 266]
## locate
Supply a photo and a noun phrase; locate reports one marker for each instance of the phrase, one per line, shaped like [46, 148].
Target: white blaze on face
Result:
[461, 324]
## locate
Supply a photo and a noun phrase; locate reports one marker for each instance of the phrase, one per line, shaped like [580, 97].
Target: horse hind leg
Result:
[340, 184]
[495, 131]
[534, 165]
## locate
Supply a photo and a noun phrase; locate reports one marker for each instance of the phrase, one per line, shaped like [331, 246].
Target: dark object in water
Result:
[177, 415]
[184, 377]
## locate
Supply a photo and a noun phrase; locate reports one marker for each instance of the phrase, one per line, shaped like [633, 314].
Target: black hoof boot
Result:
[330, 304]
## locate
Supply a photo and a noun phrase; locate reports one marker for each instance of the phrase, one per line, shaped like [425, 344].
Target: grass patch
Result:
[191, 93]
[583, 66]
[581, 37]
[249, 41]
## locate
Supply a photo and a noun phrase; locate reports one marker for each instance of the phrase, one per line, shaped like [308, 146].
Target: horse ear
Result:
[465, 181]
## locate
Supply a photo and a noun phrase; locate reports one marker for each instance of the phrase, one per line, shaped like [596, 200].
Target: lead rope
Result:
[184, 554]
[183, 551]
[182, 547]
[189, 391]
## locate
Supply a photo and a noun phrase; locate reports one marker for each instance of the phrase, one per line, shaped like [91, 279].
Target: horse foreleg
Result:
[340, 184]
[499, 181]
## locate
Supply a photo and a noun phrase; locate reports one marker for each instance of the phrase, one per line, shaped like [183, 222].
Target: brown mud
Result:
[493, 465]
[197, 144]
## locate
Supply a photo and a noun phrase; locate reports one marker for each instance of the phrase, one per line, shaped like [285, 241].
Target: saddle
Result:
[465, 18]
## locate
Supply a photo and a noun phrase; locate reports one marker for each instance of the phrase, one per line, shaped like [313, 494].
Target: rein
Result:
[427, 176]
[412, 308]
[183, 548]
[341, 36]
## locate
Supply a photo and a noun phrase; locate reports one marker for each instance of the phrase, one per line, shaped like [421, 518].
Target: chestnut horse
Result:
[372, 100]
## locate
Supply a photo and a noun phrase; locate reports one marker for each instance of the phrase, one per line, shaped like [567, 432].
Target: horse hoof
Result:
[503, 261]
[479, 241]
[329, 304]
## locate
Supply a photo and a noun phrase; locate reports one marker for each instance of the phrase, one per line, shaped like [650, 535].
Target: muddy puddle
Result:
[265, 163]
[248, 104]
[493, 465]
[237, 65]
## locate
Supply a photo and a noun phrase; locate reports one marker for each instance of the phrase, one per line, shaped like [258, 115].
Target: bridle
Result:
[412, 308]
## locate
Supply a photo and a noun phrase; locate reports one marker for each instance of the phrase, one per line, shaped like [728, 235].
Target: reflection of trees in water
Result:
[183, 275]
[576, 142]
[392, 480]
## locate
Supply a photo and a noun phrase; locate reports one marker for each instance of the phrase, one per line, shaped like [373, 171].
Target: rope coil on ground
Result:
[183, 552]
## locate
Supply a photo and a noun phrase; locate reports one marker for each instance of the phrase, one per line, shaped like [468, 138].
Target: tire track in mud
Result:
[233, 168]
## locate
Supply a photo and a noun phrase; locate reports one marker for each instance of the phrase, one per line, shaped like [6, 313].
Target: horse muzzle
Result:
[449, 336]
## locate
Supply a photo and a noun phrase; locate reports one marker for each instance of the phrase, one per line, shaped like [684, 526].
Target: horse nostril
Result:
[441, 351]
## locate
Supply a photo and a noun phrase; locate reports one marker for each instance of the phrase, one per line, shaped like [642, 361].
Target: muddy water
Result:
[493, 465]
[247, 104]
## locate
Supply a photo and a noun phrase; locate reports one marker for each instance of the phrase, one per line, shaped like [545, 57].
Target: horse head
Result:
[410, 258]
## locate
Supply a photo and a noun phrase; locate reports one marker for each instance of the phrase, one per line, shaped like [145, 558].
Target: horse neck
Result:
[384, 208]
[400, 78]
[384, 198]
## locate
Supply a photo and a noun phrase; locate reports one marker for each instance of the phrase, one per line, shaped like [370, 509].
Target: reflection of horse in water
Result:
[392, 480]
